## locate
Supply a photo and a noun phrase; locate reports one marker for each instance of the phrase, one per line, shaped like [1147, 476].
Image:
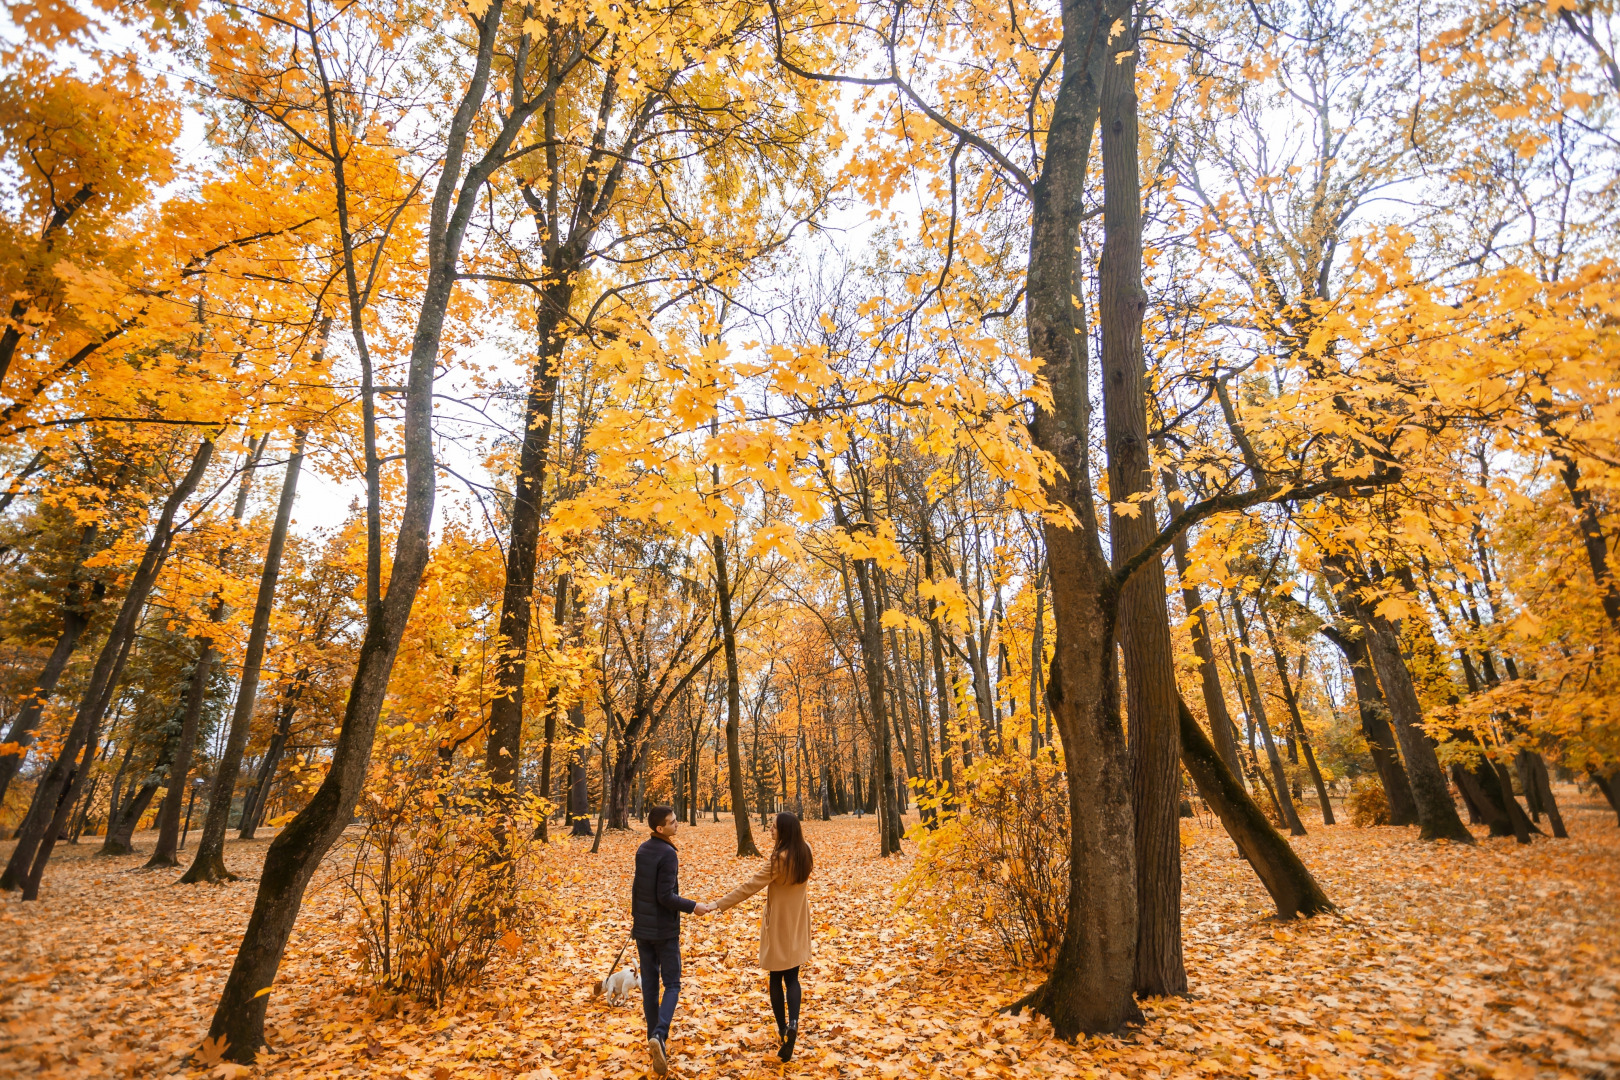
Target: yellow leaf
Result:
[1392, 608]
[212, 1051]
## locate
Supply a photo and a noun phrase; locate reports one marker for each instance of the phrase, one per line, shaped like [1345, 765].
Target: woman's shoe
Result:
[792, 1036]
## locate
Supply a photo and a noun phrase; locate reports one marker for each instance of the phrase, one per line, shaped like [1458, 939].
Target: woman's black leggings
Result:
[785, 998]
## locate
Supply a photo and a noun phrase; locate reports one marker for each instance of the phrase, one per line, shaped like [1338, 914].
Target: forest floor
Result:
[1502, 961]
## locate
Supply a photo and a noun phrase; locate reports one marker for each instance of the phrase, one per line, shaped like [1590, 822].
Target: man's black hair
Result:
[658, 815]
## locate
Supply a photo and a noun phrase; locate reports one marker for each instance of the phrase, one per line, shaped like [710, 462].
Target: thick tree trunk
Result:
[1539, 781]
[109, 665]
[1437, 814]
[209, 864]
[1292, 887]
[1374, 713]
[1092, 983]
[624, 786]
[1609, 784]
[1144, 620]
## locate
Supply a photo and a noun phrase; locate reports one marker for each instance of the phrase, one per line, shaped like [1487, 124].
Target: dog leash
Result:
[601, 985]
[616, 959]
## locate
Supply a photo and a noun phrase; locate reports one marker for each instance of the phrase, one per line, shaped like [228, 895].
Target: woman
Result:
[784, 928]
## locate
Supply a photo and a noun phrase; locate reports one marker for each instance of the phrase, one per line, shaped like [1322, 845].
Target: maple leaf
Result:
[212, 1051]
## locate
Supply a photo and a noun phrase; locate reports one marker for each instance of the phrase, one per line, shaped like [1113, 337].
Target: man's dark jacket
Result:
[655, 900]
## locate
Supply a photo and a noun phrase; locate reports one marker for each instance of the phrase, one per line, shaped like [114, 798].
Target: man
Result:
[655, 908]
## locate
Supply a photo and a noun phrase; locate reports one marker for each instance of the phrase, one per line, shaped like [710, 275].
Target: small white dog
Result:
[623, 985]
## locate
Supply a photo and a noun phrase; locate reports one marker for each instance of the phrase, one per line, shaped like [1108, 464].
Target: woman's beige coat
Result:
[784, 928]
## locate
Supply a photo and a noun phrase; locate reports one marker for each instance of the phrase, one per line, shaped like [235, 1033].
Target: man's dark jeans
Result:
[659, 958]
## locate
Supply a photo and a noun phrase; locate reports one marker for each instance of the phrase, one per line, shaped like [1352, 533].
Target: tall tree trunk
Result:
[59, 819]
[1144, 620]
[164, 852]
[1541, 783]
[1209, 674]
[113, 796]
[1437, 814]
[298, 849]
[209, 865]
[1093, 978]
[868, 625]
[559, 616]
[1609, 784]
[579, 781]
[1297, 721]
[109, 665]
[1284, 798]
[728, 632]
[502, 755]
[626, 764]
[1292, 887]
[1590, 524]
[1374, 713]
[942, 686]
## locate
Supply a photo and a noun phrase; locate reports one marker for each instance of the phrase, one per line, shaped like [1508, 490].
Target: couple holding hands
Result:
[784, 930]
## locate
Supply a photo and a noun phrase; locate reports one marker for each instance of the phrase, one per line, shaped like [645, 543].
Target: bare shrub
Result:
[442, 881]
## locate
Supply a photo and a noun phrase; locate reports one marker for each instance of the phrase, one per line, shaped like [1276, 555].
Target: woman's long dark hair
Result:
[792, 854]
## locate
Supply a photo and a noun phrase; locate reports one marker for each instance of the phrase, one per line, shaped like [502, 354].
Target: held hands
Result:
[703, 909]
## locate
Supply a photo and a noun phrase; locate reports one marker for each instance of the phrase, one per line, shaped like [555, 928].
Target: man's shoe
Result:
[655, 1050]
[786, 1052]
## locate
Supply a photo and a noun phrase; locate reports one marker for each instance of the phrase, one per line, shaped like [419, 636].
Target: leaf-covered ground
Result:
[1500, 961]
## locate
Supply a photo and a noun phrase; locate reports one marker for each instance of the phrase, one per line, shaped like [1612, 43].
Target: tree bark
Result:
[941, 684]
[1292, 887]
[1609, 784]
[871, 632]
[1092, 982]
[728, 632]
[298, 849]
[1144, 619]
[59, 819]
[1209, 674]
[1539, 782]
[1374, 713]
[1285, 799]
[1297, 721]
[1436, 813]
[209, 865]
[254, 803]
[164, 852]
[505, 745]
